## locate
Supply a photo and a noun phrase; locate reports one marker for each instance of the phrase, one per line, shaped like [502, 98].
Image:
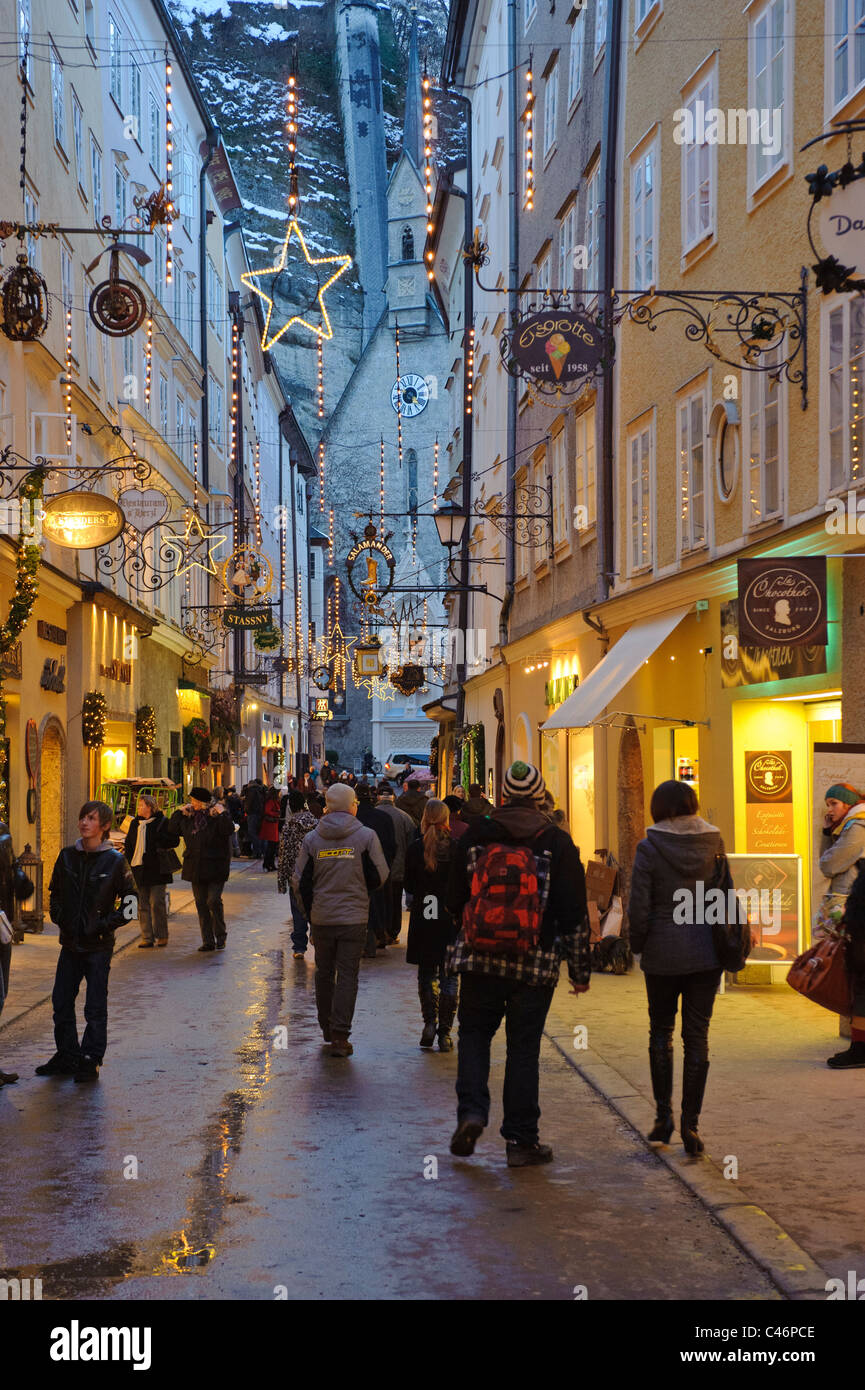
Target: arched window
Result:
[411, 459]
[407, 244]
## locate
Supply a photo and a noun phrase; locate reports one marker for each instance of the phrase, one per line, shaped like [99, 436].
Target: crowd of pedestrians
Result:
[496, 899]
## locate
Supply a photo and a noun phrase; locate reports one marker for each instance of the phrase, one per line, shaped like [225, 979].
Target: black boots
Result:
[693, 1089]
[661, 1067]
[447, 1014]
[429, 1007]
[853, 1057]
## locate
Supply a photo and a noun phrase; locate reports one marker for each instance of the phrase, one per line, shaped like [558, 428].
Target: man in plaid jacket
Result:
[297, 825]
[516, 987]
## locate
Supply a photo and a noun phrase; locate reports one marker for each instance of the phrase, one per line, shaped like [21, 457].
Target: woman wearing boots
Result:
[853, 927]
[431, 927]
[677, 953]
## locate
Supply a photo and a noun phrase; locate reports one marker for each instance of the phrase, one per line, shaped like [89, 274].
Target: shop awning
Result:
[613, 671]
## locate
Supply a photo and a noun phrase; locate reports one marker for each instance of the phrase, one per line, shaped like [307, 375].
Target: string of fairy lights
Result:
[530, 138]
[148, 361]
[470, 371]
[67, 382]
[398, 401]
[169, 171]
[428, 172]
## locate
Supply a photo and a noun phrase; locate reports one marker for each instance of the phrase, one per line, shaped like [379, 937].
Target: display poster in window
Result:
[770, 887]
[741, 665]
[769, 802]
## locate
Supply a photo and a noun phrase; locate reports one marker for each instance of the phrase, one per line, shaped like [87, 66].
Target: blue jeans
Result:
[72, 968]
[484, 1002]
[300, 931]
[448, 984]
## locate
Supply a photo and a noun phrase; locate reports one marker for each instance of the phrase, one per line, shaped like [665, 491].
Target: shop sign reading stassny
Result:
[783, 602]
[247, 619]
[117, 670]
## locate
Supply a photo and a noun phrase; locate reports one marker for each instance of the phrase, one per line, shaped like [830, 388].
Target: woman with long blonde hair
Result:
[431, 927]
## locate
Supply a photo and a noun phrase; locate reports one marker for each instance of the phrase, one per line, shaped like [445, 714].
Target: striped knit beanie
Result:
[524, 780]
[842, 791]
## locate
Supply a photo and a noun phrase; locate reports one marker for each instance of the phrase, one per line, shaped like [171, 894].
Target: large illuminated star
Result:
[249, 278]
[195, 538]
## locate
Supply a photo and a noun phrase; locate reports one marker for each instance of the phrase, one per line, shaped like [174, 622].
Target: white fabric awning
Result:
[614, 670]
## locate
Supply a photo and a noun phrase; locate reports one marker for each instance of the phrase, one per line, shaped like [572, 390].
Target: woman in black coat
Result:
[431, 927]
[854, 931]
[149, 851]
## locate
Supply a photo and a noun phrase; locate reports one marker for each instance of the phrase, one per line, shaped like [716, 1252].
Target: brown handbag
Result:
[820, 974]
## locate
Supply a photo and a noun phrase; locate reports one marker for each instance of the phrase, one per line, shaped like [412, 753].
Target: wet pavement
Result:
[223, 1155]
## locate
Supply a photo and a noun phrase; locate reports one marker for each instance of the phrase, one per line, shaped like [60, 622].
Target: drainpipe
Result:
[513, 306]
[612, 80]
[212, 138]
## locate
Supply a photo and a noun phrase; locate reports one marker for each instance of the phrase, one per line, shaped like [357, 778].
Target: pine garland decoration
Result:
[21, 604]
[145, 729]
[94, 713]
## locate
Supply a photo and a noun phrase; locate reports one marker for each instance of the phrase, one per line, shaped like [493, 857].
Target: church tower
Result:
[408, 300]
[363, 126]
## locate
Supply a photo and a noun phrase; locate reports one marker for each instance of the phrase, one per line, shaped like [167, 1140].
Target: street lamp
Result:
[450, 523]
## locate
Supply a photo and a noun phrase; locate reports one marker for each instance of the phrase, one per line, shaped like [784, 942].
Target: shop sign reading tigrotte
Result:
[556, 350]
[783, 602]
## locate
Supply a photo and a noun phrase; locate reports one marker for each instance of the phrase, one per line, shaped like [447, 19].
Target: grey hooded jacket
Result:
[405, 831]
[675, 854]
[339, 864]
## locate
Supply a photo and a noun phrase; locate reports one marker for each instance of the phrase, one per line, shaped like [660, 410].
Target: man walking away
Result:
[205, 829]
[298, 823]
[518, 886]
[340, 863]
[477, 805]
[379, 925]
[92, 892]
[412, 801]
[406, 831]
[234, 807]
[254, 805]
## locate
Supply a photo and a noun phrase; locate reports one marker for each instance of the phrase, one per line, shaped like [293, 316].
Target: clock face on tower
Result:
[414, 392]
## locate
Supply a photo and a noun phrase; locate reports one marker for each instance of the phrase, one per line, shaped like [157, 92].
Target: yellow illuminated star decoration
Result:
[249, 278]
[195, 538]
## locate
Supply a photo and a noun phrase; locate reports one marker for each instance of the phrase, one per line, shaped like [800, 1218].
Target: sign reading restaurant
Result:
[783, 602]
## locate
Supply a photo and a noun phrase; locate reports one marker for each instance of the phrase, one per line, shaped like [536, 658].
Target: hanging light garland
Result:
[67, 386]
[283, 526]
[436, 474]
[530, 138]
[428, 171]
[148, 362]
[398, 403]
[320, 355]
[470, 372]
[321, 475]
[291, 132]
[145, 729]
[381, 485]
[169, 172]
[298, 621]
[257, 490]
[330, 540]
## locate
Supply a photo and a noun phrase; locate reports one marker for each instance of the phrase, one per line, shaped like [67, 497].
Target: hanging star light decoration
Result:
[195, 540]
[249, 277]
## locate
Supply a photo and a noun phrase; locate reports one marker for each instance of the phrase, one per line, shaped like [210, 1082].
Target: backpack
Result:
[509, 891]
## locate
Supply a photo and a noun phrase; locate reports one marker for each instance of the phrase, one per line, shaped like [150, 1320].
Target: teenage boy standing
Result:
[92, 892]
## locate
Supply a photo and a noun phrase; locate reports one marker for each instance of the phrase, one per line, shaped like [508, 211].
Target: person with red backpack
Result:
[519, 889]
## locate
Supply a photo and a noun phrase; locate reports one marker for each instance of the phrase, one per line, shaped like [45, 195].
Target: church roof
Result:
[412, 133]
